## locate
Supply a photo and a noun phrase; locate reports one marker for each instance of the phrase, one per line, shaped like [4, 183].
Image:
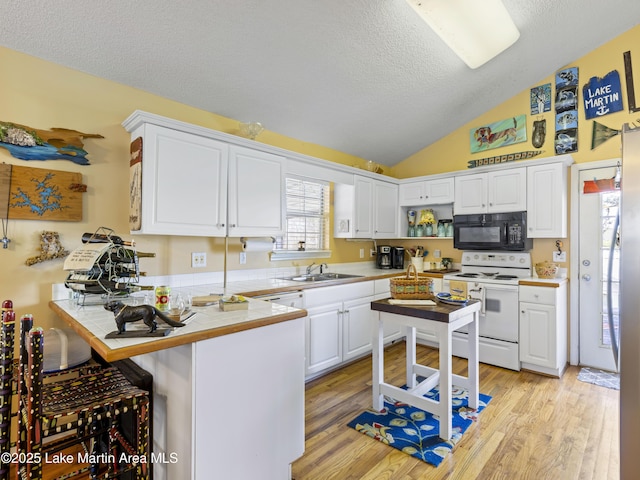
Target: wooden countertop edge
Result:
[538, 283]
[111, 355]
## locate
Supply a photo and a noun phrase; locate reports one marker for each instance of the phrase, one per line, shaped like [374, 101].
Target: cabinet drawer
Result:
[381, 286]
[323, 295]
[544, 295]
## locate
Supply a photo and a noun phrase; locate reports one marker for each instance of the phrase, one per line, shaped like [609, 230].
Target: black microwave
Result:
[491, 231]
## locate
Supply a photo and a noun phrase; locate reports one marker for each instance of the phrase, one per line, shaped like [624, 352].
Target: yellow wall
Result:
[43, 95]
[453, 151]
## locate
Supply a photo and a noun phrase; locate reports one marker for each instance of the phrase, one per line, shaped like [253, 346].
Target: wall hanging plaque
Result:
[602, 96]
[540, 99]
[28, 143]
[566, 137]
[498, 134]
[43, 194]
[135, 185]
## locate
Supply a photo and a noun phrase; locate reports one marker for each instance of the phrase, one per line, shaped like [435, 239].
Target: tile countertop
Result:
[93, 323]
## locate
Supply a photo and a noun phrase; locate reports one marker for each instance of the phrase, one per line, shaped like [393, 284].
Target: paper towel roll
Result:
[261, 244]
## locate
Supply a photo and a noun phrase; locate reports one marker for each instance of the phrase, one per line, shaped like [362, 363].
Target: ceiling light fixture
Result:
[476, 30]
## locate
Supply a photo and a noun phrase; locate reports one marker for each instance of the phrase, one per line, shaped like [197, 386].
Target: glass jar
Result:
[449, 230]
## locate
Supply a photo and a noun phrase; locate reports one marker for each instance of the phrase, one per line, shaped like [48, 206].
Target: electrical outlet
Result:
[559, 256]
[362, 253]
[198, 259]
[436, 254]
[372, 253]
[243, 258]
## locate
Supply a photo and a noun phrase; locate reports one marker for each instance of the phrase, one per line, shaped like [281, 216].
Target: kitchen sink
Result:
[321, 277]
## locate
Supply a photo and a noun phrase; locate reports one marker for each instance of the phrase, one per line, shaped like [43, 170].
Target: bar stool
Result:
[84, 406]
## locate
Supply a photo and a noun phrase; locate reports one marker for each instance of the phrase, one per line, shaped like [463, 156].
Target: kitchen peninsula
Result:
[228, 387]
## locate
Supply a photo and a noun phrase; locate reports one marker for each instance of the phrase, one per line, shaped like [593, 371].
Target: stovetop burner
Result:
[467, 275]
[506, 277]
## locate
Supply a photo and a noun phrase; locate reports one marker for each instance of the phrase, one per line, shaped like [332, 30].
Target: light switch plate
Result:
[559, 256]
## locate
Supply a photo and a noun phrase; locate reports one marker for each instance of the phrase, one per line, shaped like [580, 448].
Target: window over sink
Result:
[307, 220]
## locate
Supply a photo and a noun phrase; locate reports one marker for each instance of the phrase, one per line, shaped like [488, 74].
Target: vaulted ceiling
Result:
[366, 77]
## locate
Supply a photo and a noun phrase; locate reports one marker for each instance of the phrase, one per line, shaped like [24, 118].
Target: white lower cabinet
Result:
[543, 329]
[197, 387]
[338, 325]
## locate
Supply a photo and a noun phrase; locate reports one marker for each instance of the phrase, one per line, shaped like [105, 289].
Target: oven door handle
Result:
[478, 293]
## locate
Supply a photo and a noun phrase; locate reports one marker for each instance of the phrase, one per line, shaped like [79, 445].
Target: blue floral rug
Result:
[414, 431]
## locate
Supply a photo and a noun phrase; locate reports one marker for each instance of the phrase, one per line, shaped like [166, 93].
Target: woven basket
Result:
[411, 287]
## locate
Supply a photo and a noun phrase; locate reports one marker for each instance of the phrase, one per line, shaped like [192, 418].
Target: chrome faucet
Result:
[311, 267]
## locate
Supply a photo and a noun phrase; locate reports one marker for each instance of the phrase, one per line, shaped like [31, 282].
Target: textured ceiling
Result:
[366, 77]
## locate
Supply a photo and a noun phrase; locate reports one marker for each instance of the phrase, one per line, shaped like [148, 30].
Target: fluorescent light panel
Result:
[476, 30]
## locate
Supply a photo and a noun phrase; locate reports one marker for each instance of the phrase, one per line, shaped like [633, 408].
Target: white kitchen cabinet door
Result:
[323, 338]
[353, 209]
[363, 209]
[184, 183]
[427, 192]
[412, 194]
[547, 201]
[385, 210]
[470, 194]
[256, 193]
[357, 324]
[507, 190]
[543, 329]
[538, 334]
[492, 192]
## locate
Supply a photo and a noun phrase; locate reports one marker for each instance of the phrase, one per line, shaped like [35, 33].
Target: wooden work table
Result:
[444, 319]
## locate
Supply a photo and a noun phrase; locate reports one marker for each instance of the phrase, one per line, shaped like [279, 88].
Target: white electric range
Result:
[492, 278]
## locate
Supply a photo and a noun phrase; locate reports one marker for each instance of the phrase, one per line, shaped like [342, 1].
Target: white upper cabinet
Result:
[427, 192]
[385, 210]
[197, 181]
[256, 193]
[366, 209]
[547, 201]
[184, 183]
[491, 192]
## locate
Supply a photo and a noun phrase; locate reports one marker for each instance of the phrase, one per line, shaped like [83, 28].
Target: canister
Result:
[162, 298]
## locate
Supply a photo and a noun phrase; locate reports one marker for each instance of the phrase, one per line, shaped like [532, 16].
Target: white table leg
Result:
[445, 382]
[411, 356]
[378, 364]
[472, 365]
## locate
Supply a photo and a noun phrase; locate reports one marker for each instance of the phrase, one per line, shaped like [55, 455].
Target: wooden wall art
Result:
[510, 157]
[566, 137]
[628, 75]
[135, 185]
[540, 99]
[41, 194]
[602, 96]
[28, 143]
[498, 134]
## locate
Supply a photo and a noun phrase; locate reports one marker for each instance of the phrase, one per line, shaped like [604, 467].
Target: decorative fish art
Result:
[28, 143]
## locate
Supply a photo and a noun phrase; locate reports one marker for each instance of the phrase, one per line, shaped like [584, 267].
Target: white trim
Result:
[574, 260]
[295, 255]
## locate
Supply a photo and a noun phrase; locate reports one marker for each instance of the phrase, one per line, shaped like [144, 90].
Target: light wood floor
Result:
[535, 427]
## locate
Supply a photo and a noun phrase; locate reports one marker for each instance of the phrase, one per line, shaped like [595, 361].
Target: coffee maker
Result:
[383, 257]
[397, 257]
